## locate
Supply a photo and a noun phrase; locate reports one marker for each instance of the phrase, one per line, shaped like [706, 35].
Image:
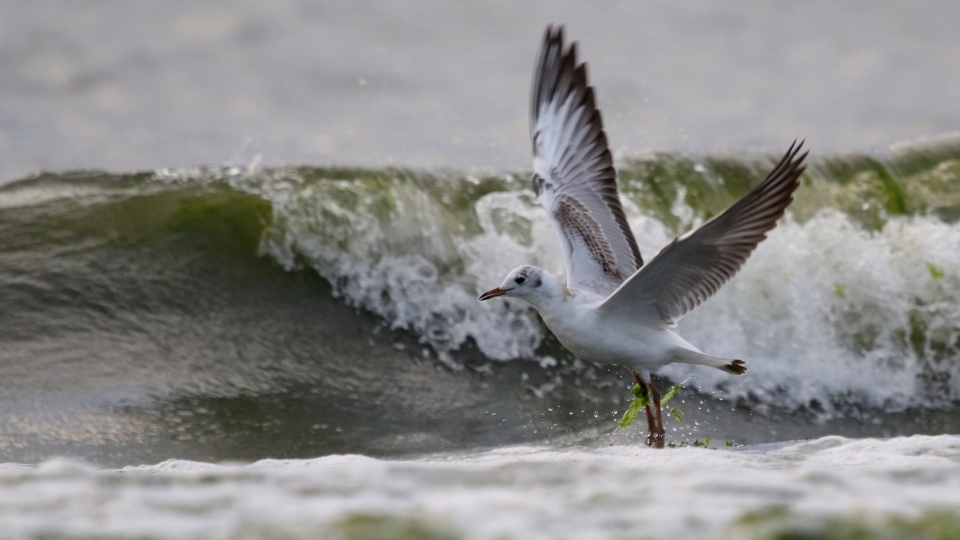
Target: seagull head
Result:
[525, 282]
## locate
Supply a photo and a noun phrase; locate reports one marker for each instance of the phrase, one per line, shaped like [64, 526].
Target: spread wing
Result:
[691, 269]
[573, 173]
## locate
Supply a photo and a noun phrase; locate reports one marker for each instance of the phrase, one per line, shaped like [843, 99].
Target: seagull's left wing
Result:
[691, 269]
[573, 173]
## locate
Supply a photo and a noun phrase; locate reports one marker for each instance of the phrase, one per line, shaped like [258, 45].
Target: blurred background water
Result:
[131, 86]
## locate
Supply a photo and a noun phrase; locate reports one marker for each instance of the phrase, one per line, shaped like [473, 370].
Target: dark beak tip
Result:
[492, 293]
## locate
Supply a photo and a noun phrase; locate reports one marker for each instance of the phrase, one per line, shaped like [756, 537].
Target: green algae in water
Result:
[383, 527]
[840, 290]
[672, 392]
[870, 189]
[935, 272]
[642, 400]
[781, 524]
[642, 396]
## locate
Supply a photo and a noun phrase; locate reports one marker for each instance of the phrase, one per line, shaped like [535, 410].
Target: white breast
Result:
[580, 328]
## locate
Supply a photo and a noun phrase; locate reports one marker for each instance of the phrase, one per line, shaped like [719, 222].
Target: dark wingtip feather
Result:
[736, 367]
[558, 75]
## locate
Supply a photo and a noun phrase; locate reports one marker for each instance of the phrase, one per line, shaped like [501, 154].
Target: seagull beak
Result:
[492, 293]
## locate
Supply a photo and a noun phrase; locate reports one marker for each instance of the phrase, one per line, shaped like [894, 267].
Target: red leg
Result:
[660, 434]
[655, 433]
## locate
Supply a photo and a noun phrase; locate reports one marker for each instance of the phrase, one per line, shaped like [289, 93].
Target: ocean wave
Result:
[851, 301]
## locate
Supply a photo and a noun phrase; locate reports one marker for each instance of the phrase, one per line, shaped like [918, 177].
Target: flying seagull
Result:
[613, 308]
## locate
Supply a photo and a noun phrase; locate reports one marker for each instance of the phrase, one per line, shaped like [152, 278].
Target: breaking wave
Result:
[851, 302]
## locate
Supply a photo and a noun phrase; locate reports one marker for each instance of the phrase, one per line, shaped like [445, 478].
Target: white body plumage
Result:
[614, 309]
[581, 325]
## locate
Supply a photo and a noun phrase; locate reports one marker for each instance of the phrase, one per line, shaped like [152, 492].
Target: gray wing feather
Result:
[691, 269]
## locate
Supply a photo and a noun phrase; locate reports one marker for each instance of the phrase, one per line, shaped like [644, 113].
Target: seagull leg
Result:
[654, 421]
[660, 434]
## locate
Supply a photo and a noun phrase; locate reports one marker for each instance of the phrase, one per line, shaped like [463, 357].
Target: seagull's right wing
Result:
[691, 269]
[573, 173]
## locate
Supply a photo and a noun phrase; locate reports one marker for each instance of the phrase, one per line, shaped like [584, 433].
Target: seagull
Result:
[613, 308]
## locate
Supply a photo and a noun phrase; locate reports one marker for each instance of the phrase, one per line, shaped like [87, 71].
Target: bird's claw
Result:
[655, 440]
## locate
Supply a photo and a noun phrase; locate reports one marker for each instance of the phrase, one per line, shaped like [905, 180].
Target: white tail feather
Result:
[686, 356]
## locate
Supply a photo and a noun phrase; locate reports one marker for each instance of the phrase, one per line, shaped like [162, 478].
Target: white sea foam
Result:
[824, 312]
[518, 492]
[410, 262]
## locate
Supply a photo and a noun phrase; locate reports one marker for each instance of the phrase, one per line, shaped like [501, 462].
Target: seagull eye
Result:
[520, 280]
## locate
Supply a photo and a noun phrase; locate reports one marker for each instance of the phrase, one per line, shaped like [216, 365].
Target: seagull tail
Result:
[686, 356]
